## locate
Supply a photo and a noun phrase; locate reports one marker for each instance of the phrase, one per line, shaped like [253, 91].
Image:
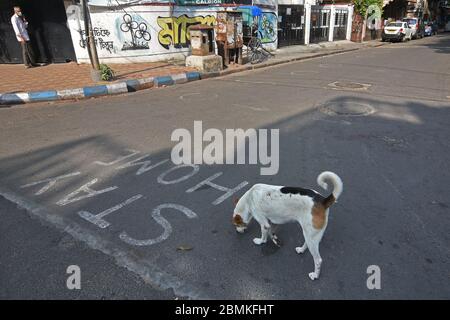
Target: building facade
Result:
[158, 30]
[153, 30]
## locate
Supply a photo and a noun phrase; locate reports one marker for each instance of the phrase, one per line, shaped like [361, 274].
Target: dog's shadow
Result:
[273, 244]
[269, 248]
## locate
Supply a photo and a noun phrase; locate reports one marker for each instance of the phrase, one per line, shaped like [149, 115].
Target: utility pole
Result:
[92, 49]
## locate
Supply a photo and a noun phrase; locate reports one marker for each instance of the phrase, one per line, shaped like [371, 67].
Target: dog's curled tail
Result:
[337, 186]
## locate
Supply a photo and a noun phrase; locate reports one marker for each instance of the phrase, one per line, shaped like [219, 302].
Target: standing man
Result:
[20, 28]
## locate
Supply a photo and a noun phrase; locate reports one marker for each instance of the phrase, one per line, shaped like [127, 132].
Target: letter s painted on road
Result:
[156, 215]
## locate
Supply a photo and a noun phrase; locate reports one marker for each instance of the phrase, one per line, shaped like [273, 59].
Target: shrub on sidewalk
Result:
[106, 72]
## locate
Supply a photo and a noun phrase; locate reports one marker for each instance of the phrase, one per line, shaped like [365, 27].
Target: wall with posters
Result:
[151, 30]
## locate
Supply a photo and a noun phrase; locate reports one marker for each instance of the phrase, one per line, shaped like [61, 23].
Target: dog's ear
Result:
[236, 200]
[237, 220]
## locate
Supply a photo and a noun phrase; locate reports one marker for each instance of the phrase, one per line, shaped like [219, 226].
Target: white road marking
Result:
[70, 198]
[228, 191]
[147, 270]
[182, 178]
[132, 153]
[139, 265]
[98, 218]
[50, 182]
[156, 215]
[145, 165]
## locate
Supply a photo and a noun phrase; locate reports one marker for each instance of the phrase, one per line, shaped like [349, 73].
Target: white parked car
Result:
[417, 27]
[396, 31]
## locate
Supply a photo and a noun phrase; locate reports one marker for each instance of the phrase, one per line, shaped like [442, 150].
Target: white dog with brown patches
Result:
[278, 205]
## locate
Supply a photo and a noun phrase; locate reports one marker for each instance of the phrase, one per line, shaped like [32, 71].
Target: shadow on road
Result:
[393, 212]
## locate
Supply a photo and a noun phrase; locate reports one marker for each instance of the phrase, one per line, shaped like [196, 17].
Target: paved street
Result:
[387, 138]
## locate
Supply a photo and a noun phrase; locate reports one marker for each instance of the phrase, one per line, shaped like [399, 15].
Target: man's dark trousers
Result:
[27, 54]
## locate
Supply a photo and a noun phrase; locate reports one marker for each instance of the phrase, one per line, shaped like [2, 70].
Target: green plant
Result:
[107, 74]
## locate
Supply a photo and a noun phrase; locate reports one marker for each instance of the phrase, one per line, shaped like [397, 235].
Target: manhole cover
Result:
[347, 109]
[348, 85]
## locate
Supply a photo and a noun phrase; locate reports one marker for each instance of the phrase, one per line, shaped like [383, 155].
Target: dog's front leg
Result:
[265, 227]
[302, 248]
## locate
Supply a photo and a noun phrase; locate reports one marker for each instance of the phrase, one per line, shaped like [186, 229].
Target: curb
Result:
[131, 85]
[134, 85]
[270, 63]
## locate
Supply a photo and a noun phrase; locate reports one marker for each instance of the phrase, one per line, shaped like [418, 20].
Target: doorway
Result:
[291, 25]
[49, 34]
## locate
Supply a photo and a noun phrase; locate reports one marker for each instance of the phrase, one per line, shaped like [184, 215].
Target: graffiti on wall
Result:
[175, 30]
[138, 33]
[266, 27]
[124, 34]
[102, 36]
[99, 39]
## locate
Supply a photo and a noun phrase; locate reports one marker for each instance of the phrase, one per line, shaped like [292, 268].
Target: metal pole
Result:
[92, 50]
[86, 28]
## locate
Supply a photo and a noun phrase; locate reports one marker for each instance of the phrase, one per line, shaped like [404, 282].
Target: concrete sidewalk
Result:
[71, 75]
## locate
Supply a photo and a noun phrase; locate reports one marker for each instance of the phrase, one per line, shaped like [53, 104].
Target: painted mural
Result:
[175, 30]
[139, 35]
[267, 27]
[147, 33]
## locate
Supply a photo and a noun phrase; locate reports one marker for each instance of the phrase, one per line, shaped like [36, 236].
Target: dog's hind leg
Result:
[313, 246]
[265, 228]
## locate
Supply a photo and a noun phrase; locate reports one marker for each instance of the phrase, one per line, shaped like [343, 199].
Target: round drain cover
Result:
[347, 109]
[349, 85]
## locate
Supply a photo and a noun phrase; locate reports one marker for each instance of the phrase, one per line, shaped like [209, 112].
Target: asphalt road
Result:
[387, 139]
